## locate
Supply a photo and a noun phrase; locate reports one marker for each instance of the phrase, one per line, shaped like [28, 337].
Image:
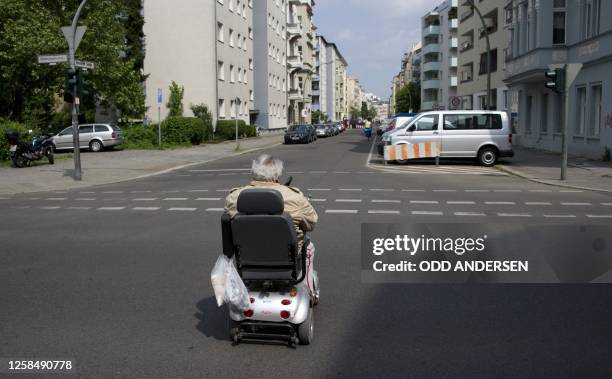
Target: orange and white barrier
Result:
[412, 151]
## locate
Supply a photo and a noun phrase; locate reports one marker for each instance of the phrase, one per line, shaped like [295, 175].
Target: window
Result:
[246, 77]
[244, 44]
[250, 63]
[427, 123]
[231, 38]
[251, 33]
[239, 76]
[528, 109]
[472, 121]
[231, 5]
[544, 114]
[232, 78]
[101, 128]
[492, 62]
[86, 129]
[251, 97]
[220, 70]
[595, 112]
[219, 32]
[243, 11]
[232, 109]
[239, 40]
[558, 22]
[580, 111]
[221, 108]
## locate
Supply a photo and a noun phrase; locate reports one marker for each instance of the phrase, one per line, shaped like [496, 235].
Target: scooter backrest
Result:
[264, 236]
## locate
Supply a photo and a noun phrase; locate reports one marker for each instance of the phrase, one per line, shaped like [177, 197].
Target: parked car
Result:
[484, 135]
[322, 130]
[95, 137]
[300, 134]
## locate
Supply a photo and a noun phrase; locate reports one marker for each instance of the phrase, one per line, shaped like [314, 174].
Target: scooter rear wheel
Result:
[305, 330]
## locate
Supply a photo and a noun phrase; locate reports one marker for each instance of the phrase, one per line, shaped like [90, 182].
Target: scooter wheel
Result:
[233, 328]
[305, 330]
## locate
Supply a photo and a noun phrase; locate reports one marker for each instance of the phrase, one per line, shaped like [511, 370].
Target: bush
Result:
[140, 137]
[182, 130]
[7, 126]
[226, 129]
[201, 111]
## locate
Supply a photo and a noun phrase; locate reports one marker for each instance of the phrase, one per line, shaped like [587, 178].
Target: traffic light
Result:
[82, 84]
[70, 79]
[556, 80]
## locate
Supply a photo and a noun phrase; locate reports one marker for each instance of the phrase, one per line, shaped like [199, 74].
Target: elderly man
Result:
[266, 171]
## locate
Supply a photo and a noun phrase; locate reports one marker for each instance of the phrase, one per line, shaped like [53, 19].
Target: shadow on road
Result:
[212, 319]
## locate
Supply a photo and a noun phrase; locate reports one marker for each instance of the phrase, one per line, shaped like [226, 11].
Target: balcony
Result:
[432, 66]
[431, 84]
[466, 45]
[452, 81]
[452, 62]
[315, 78]
[465, 15]
[295, 94]
[431, 30]
[453, 42]
[453, 24]
[294, 30]
[295, 62]
[431, 48]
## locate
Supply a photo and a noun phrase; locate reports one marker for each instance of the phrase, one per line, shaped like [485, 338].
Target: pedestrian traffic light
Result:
[556, 80]
[70, 79]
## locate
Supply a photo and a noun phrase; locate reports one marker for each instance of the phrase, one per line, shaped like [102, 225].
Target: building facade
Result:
[558, 32]
[215, 71]
[473, 56]
[319, 77]
[335, 84]
[439, 57]
[269, 62]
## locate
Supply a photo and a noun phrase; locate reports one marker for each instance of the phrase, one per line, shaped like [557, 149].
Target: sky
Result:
[372, 35]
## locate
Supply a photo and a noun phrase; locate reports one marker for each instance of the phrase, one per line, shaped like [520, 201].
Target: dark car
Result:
[300, 134]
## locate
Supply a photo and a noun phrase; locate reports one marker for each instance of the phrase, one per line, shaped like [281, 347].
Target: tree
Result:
[175, 100]
[202, 112]
[318, 116]
[364, 110]
[372, 112]
[354, 112]
[408, 98]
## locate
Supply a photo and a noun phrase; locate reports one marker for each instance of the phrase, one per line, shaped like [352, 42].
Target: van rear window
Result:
[472, 121]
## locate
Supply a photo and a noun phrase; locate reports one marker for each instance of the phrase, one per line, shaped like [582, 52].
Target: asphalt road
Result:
[116, 277]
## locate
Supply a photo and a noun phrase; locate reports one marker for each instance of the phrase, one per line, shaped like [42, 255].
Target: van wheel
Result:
[487, 156]
[95, 146]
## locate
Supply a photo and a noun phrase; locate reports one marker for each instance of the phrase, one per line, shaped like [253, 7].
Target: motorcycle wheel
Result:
[19, 160]
[49, 154]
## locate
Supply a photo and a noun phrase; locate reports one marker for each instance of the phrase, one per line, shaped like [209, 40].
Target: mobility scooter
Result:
[263, 241]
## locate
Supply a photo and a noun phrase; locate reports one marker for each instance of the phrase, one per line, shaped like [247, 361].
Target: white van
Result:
[485, 135]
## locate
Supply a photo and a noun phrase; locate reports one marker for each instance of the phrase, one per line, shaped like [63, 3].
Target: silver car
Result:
[94, 137]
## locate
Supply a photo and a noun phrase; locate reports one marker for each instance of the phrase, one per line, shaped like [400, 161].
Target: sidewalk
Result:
[545, 167]
[116, 166]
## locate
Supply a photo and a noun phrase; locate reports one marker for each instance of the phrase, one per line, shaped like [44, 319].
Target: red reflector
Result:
[248, 313]
[284, 315]
[252, 300]
[286, 302]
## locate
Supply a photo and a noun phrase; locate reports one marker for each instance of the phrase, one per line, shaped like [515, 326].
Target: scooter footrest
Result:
[269, 331]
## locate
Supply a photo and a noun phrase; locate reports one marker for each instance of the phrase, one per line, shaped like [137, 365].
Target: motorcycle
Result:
[23, 154]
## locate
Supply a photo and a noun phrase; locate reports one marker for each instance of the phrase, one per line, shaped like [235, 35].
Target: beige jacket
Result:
[296, 205]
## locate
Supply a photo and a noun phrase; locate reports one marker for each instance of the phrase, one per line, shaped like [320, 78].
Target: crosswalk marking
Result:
[79, 208]
[146, 199]
[48, 208]
[208, 198]
[538, 203]
[349, 200]
[182, 209]
[427, 213]
[318, 200]
[451, 202]
[110, 208]
[175, 199]
[423, 202]
[500, 203]
[385, 201]
[350, 189]
[599, 216]
[383, 212]
[145, 208]
[514, 215]
[576, 203]
[559, 216]
[469, 214]
[341, 211]
[56, 198]
[215, 209]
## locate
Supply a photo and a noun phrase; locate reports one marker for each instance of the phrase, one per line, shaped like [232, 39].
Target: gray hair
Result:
[267, 168]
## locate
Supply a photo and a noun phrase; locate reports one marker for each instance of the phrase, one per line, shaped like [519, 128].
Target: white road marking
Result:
[215, 209]
[7, 198]
[145, 208]
[110, 208]
[386, 201]
[318, 172]
[318, 200]
[85, 199]
[341, 211]
[571, 191]
[444, 190]
[183, 209]
[27, 198]
[175, 198]
[606, 204]
[20, 206]
[208, 198]
[112, 192]
[223, 190]
[477, 190]
[469, 214]
[228, 174]
[349, 200]
[451, 202]
[423, 202]
[427, 213]
[514, 215]
[57, 198]
[540, 190]
[413, 190]
[319, 189]
[507, 190]
[48, 208]
[60, 192]
[87, 192]
[500, 203]
[199, 190]
[341, 172]
[559, 216]
[599, 216]
[538, 203]
[147, 191]
[383, 212]
[578, 204]
[221, 169]
[366, 172]
[145, 199]
[114, 199]
[350, 189]
[382, 189]
[79, 208]
[170, 191]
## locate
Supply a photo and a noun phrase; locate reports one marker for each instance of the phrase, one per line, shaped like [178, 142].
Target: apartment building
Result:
[215, 71]
[411, 65]
[395, 87]
[300, 59]
[439, 57]
[473, 55]
[355, 94]
[319, 76]
[270, 64]
[337, 71]
[553, 32]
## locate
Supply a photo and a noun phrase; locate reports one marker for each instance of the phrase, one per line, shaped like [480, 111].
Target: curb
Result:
[161, 172]
[546, 182]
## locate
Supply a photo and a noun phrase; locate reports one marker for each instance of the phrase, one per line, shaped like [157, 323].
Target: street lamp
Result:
[236, 118]
[484, 26]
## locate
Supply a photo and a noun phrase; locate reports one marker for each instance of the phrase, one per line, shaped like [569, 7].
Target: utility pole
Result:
[73, 41]
[488, 63]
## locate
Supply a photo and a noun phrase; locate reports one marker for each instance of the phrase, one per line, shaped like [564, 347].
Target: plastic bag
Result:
[236, 293]
[218, 277]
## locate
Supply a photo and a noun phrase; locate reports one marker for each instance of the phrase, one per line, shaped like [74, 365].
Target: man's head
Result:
[266, 168]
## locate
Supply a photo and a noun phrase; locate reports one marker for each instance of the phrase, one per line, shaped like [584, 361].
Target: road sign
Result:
[67, 30]
[52, 58]
[159, 96]
[84, 64]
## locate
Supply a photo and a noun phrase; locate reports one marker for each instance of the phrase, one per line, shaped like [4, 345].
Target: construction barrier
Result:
[412, 151]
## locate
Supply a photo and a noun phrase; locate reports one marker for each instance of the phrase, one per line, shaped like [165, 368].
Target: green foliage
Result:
[318, 117]
[28, 90]
[9, 126]
[364, 110]
[140, 137]
[60, 121]
[408, 98]
[175, 101]
[354, 112]
[182, 130]
[226, 129]
[202, 112]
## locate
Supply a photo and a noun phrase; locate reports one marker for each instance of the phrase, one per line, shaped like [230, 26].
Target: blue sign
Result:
[159, 96]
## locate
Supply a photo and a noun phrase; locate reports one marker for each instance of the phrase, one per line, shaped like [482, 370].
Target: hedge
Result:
[180, 130]
[7, 126]
[226, 129]
[142, 137]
